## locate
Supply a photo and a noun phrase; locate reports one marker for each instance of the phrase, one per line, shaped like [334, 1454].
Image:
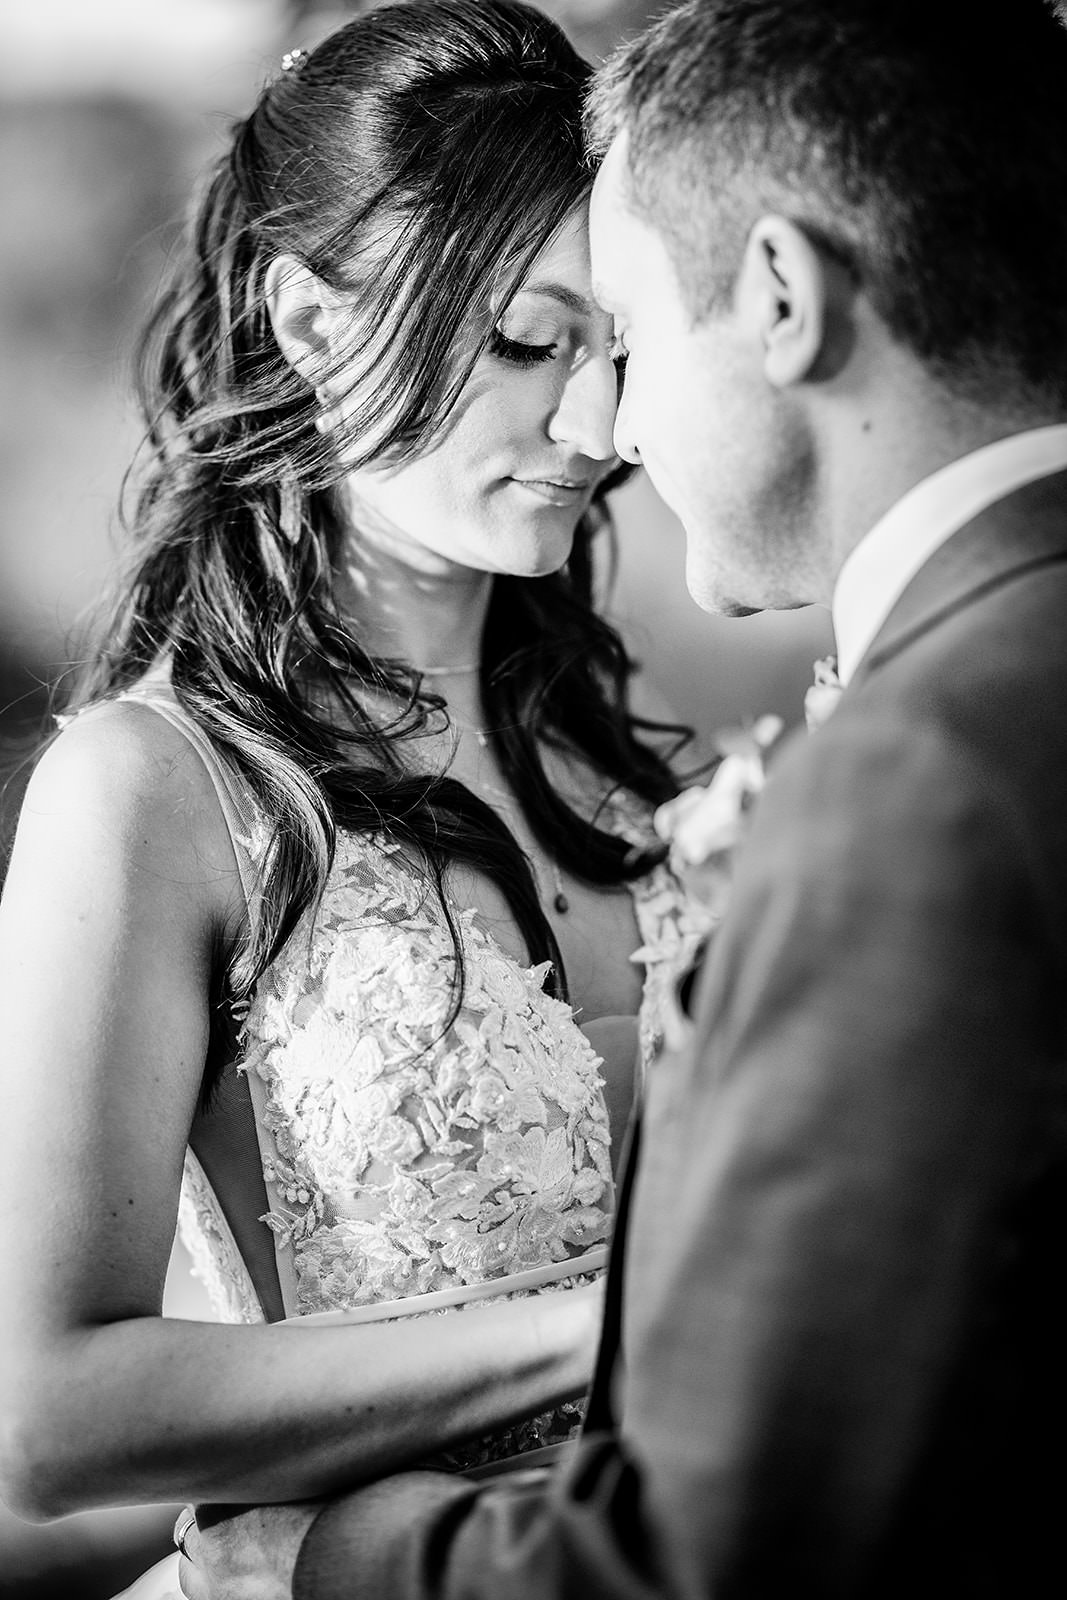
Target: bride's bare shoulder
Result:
[124, 753]
[123, 774]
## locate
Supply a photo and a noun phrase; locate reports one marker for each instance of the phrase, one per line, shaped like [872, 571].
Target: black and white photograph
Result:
[533, 799]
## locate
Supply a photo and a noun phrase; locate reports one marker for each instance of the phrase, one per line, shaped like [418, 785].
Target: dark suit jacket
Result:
[844, 1344]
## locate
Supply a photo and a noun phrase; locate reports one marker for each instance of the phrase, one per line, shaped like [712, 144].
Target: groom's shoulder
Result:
[988, 678]
[959, 736]
[892, 798]
[878, 751]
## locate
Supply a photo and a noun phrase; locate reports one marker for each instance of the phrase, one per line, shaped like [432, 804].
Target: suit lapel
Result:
[1023, 531]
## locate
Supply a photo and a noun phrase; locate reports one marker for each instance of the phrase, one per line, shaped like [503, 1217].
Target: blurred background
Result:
[108, 108]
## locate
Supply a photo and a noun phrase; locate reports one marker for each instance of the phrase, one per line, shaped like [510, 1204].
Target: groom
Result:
[834, 238]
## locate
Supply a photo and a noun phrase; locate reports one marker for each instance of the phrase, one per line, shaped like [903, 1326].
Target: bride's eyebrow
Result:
[566, 296]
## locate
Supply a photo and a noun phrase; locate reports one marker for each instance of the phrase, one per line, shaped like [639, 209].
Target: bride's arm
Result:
[121, 885]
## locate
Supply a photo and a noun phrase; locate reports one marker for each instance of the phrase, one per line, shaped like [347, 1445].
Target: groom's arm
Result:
[832, 1231]
[425, 1535]
[817, 1229]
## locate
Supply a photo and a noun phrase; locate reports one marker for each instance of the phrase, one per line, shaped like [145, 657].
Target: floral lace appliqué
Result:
[407, 1157]
[673, 924]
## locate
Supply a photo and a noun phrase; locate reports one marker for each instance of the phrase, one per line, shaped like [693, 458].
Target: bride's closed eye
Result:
[517, 351]
[524, 353]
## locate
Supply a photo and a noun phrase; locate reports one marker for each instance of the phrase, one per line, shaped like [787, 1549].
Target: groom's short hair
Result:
[922, 142]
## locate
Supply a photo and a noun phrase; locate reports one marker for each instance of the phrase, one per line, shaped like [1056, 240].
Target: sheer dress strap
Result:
[248, 836]
[245, 827]
[231, 1140]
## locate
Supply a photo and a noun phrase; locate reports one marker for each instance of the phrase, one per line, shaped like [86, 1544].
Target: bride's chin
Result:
[535, 553]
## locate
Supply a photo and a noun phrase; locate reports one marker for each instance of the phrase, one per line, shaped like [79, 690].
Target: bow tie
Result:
[821, 699]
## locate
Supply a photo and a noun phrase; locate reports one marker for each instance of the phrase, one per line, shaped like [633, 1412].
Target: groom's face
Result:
[726, 453]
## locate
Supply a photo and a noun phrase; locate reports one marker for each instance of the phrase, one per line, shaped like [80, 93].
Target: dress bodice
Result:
[405, 1154]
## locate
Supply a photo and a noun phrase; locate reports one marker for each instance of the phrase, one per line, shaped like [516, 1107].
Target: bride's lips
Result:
[557, 491]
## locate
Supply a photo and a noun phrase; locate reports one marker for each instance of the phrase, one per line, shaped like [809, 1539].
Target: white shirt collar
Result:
[886, 559]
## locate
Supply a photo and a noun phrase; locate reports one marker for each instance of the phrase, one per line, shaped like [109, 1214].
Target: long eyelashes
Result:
[531, 355]
[519, 354]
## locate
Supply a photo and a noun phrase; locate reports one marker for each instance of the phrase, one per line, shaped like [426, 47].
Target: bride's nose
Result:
[584, 414]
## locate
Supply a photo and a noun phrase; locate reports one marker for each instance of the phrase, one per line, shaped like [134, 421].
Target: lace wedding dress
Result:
[409, 1171]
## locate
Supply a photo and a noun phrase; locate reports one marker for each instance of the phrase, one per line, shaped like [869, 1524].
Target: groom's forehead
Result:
[628, 255]
[611, 227]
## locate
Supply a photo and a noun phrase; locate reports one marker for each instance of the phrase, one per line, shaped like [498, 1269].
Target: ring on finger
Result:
[186, 1520]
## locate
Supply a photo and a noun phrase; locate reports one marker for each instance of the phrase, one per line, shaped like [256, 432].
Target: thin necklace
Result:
[559, 900]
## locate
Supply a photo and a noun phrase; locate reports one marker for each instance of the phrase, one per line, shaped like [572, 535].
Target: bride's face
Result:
[529, 440]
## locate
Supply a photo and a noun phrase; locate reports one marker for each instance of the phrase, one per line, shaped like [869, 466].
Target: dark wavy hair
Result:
[923, 142]
[453, 128]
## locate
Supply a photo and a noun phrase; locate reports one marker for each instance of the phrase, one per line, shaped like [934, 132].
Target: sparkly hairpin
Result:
[293, 60]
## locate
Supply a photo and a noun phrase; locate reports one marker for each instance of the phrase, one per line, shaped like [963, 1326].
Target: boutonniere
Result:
[703, 825]
[821, 699]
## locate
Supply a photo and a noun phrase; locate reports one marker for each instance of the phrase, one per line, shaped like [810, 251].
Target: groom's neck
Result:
[880, 446]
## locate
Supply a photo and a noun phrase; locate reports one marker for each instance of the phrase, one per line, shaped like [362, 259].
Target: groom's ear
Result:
[792, 295]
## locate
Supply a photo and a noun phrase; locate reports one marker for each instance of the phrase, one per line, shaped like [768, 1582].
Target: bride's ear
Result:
[300, 316]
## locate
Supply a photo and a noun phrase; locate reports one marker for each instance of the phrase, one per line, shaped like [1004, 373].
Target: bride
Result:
[318, 928]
